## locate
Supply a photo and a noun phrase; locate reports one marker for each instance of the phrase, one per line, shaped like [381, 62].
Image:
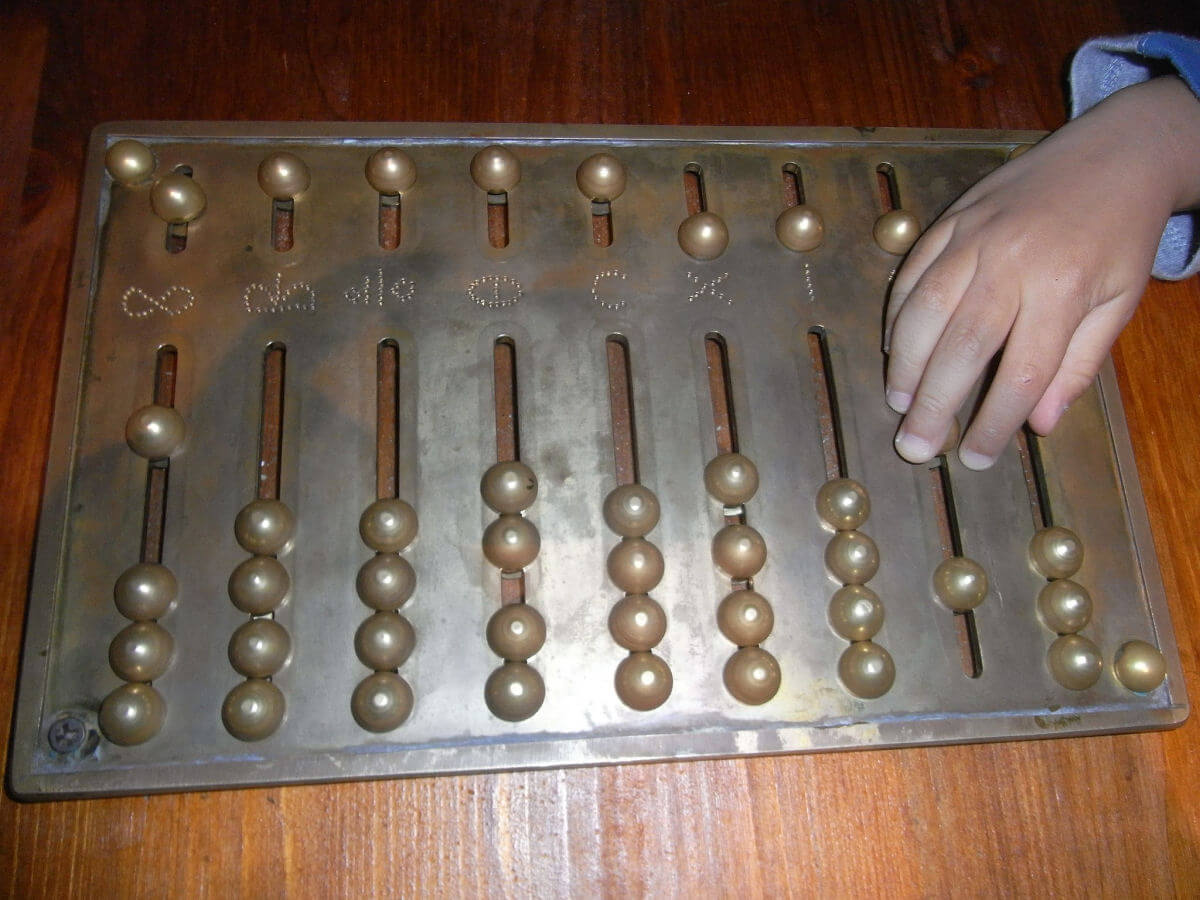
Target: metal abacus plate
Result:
[445, 295]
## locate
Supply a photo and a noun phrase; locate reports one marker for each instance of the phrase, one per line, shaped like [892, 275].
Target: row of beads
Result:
[637, 623]
[516, 631]
[384, 641]
[745, 617]
[855, 611]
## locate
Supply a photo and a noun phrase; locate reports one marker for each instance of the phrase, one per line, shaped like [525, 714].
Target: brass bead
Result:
[514, 691]
[601, 177]
[391, 171]
[177, 198]
[496, 169]
[132, 714]
[509, 487]
[129, 162]
[852, 557]
[855, 612]
[155, 432]
[516, 631]
[866, 670]
[264, 527]
[960, 583]
[731, 478]
[283, 176]
[1139, 666]
[1056, 552]
[643, 681]
[843, 504]
[897, 231]
[259, 648]
[385, 581]
[511, 542]
[703, 236]
[637, 622]
[253, 710]
[259, 585]
[1075, 662]
[141, 652]
[384, 641]
[381, 702]
[635, 565]
[145, 591]
[745, 618]
[1065, 607]
[800, 228]
[388, 525]
[739, 551]
[752, 676]
[631, 510]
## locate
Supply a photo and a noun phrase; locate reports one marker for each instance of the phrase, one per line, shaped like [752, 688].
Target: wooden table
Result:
[1117, 815]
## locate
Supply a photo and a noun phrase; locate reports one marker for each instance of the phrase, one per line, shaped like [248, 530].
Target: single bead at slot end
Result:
[391, 171]
[843, 504]
[867, 670]
[731, 478]
[637, 622]
[259, 648]
[1065, 607]
[635, 565]
[739, 551]
[384, 640]
[283, 176]
[745, 618]
[511, 542]
[960, 583]
[145, 591]
[855, 612]
[896, 231]
[800, 228]
[141, 652]
[1056, 552]
[631, 510]
[264, 527]
[388, 525]
[129, 162]
[703, 236]
[509, 487]
[514, 691]
[176, 199]
[253, 710]
[1139, 666]
[601, 177]
[1075, 662]
[516, 631]
[643, 681]
[852, 557]
[752, 676]
[132, 714]
[259, 585]
[496, 169]
[385, 581]
[381, 702]
[155, 432]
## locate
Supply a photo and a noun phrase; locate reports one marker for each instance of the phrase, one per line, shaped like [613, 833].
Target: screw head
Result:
[67, 734]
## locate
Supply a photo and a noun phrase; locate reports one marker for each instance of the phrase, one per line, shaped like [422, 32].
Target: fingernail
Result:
[899, 401]
[976, 461]
[913, 448]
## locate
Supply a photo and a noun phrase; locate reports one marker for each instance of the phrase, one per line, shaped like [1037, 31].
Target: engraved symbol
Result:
[262, 297]
[614, 305]
[495, 291]
[137, 304]
[708, 287]
[376, 290]
[808, 283]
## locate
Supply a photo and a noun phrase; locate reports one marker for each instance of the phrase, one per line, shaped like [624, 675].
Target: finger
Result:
[923, 254]
[1085, 355]
[920, 324]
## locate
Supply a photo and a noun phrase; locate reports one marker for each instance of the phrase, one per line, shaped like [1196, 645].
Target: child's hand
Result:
[1050, 253]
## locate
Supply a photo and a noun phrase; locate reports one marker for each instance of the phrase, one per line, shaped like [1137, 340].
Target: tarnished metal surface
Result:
[333, 297]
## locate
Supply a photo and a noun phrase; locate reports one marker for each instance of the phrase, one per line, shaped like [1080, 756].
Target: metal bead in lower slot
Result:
[855, 612]
[843, 504]
[141, 652]
[381, 702]
[731, 478]
[635, 565]
[509, 486]
[1075, 662]
[1065, 607]
[852, 557]
[631, 510]
[516, 631]
[384, 640]
[385, 581]
[259, 648]
[745, 618]
[1056, 552]
[1139, 666]
[155, 432]
[253, 710]
[514, 691]
[132, 714]
[867, 670]
[752, 675]
[643, 681]
[145, 591]
[739, 551]
[259, 585]
[264, 527]
[388, 525]
[511, 542]
[960, 583]
[637, 622]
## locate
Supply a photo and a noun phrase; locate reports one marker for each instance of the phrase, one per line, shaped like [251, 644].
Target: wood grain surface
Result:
[1109, 815]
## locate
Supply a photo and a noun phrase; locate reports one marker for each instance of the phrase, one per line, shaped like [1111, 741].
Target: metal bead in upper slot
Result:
[843, 504]
[264, 527]
[852, 557]
[643, 681]
[385, 581]
[129, 162]
[259, 648]
[703, 236]
[177, 198]
[496, 169]
[388, 525]
[509, 486]
[731, 478]
[253, 710]
[145, 591]
[1075, 662]
[514, 691]
[752, 675]
[141, 652]
[1065, 607]
[155, 432]
[745, 618]
[800, 228]
[601, 177]
[132, 714]
[1140, 666]
[391, 171]
[960, 583]
[897, 231]
[384, 640]
[637, 622]
[381, 702]
[635, 565]
[739, 551]
[511, 542]
[283, 176]
[631, 510]
[867, 670]
[516, 631]
[855, 612]
[259, 585]
[1056, 552]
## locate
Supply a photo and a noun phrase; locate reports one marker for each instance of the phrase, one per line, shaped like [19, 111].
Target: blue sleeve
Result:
[1104, 66]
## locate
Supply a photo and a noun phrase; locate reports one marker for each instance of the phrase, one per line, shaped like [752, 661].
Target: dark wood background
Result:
[1116, 815]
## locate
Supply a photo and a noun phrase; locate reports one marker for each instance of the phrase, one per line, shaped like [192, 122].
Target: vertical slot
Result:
[828, 421]
[387, 397]
[889, 193]
[497, 220]
[793, 186]
[720, 389]
[508, 437]
[602, 234]
[177, 232]
[270, 444]
[620, 399]
[951, 546]
[389, 221]
[1035, 479]
[282, 216]
[693, 189]
[155, 509]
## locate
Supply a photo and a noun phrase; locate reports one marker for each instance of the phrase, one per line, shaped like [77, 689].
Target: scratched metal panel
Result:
[333, 297]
